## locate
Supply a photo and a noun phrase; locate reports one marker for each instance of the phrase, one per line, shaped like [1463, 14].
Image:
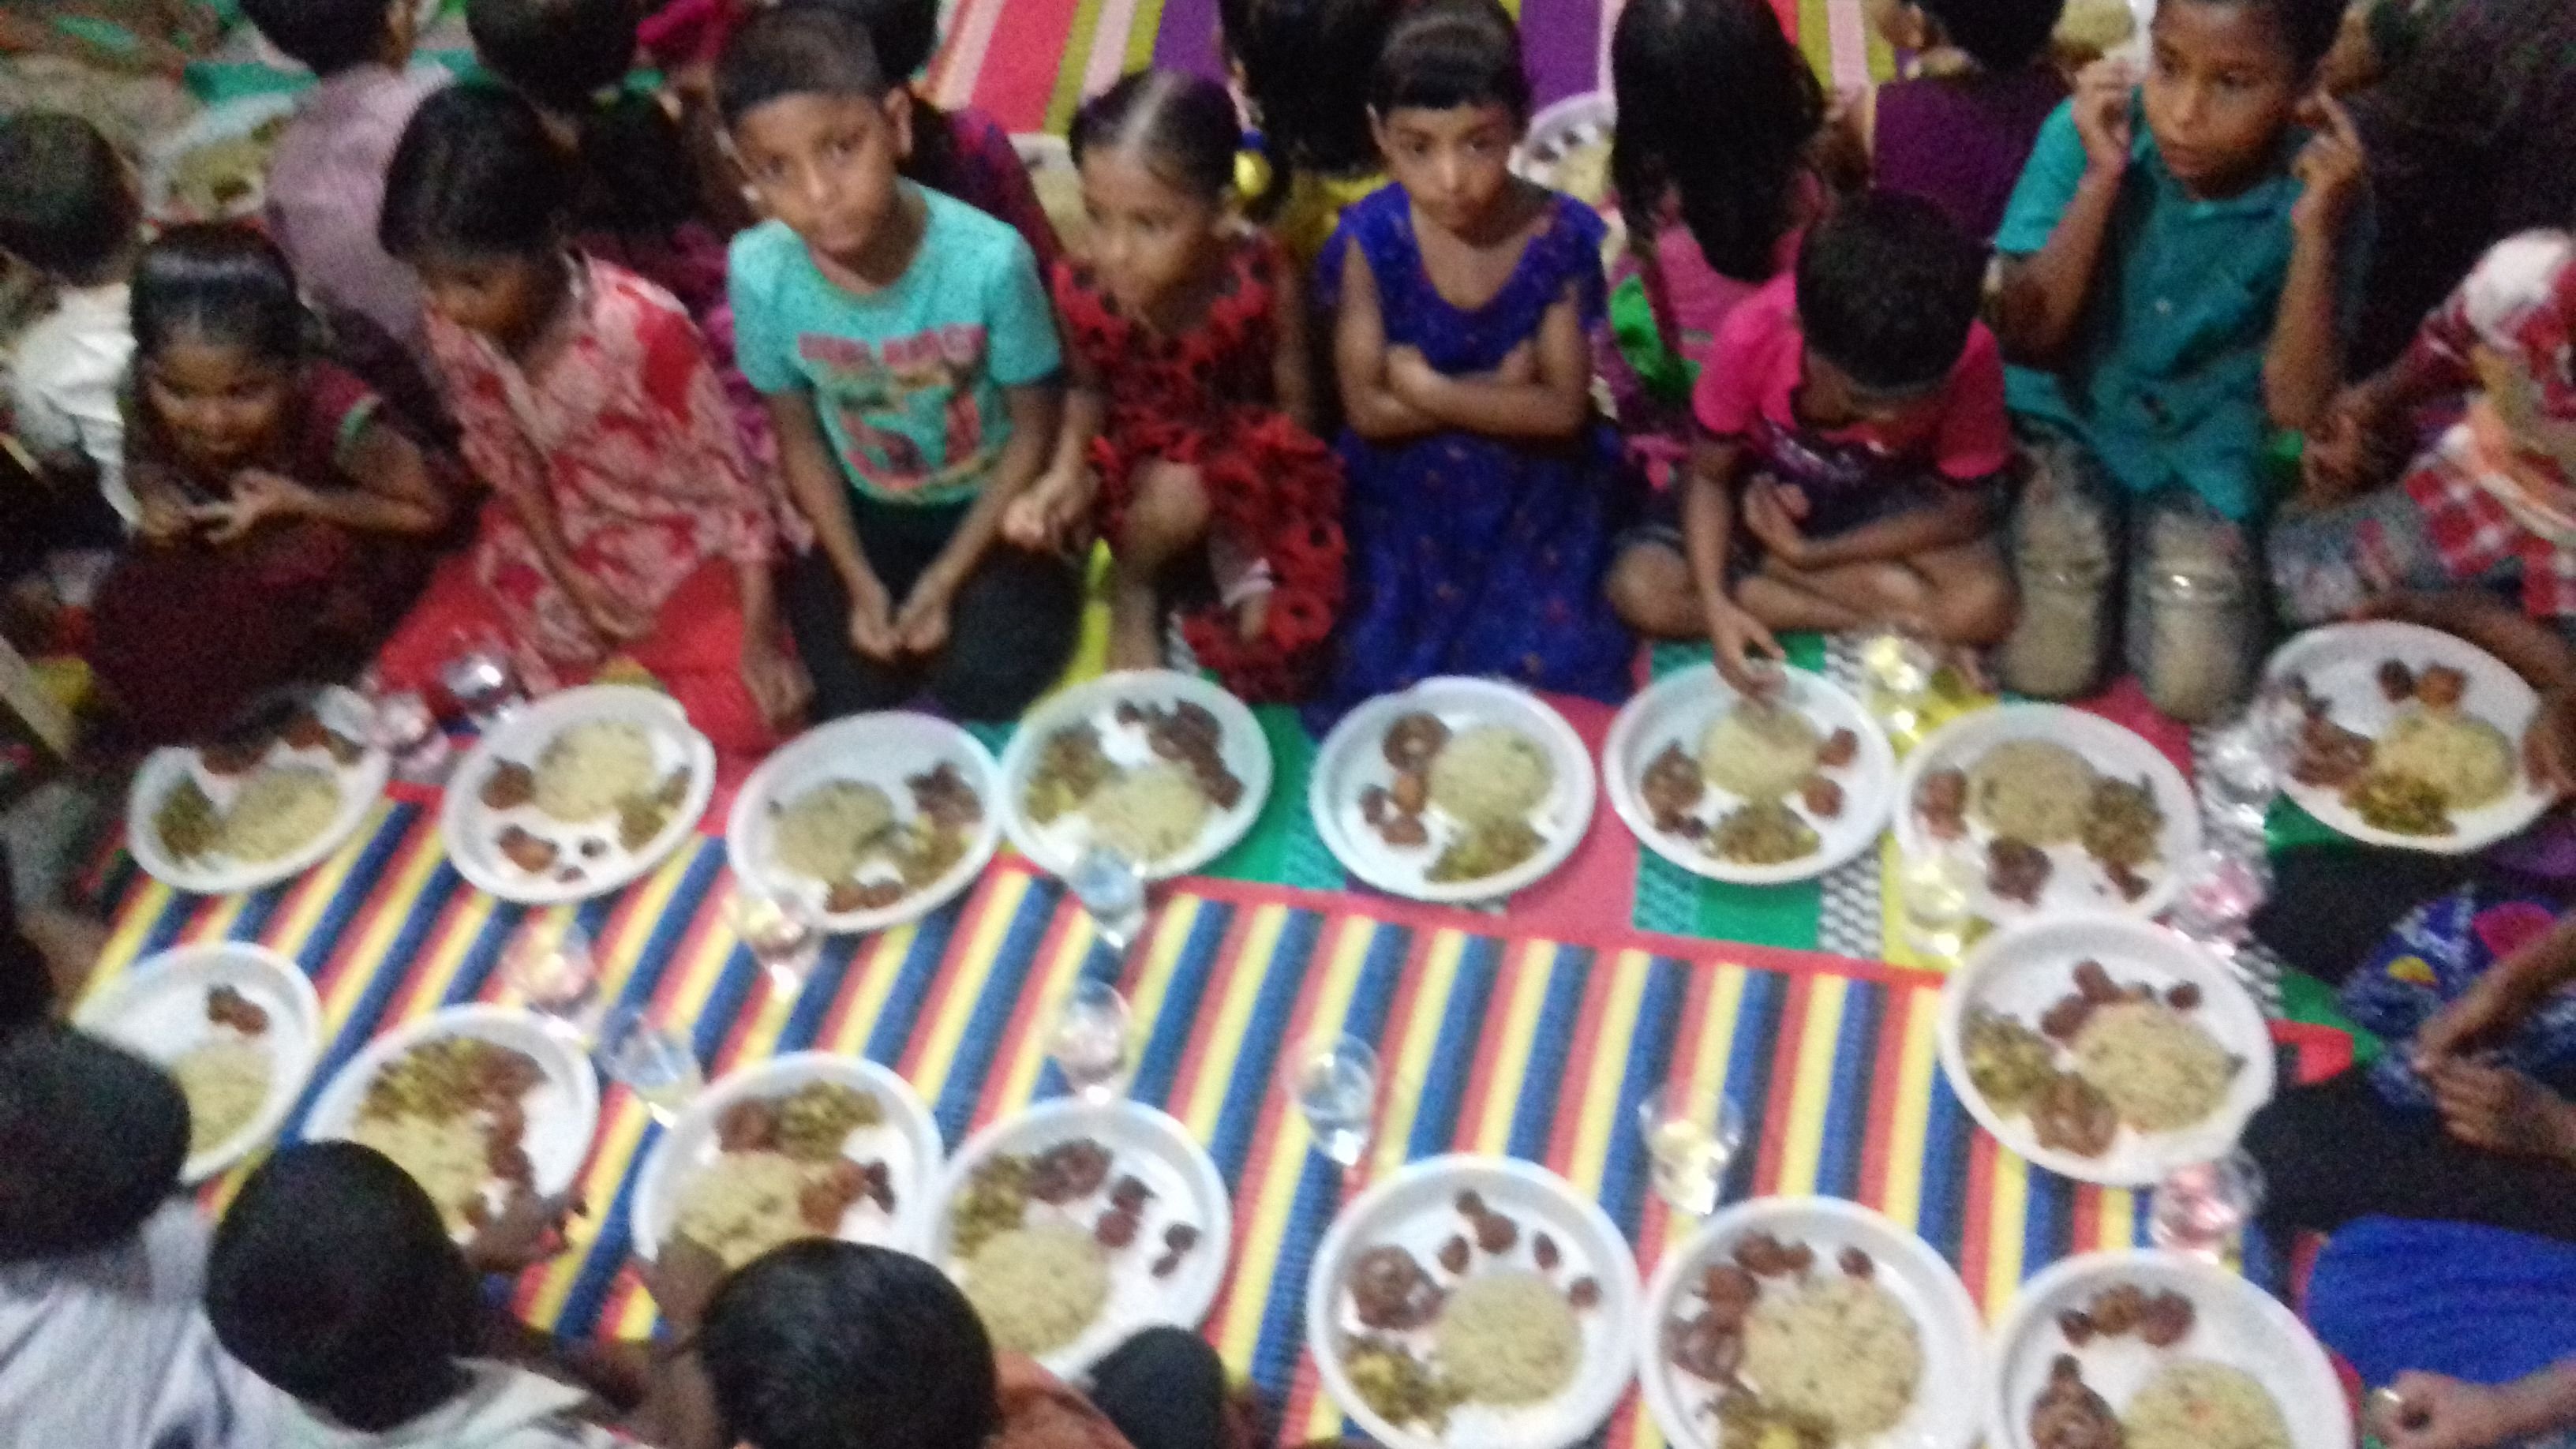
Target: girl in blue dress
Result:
[1484, 489]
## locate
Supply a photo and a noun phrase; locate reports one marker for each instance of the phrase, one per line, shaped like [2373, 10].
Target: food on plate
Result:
[1762, 832]
[1148, 814]
[1759, 749]
[1486, 849]
[1942, 800]
[588, 768]
[2122, 823]
[529, 852]
[825, 832]
[1744, 1421]
[1822, 797]
[2160, 1319]
[451, 1113]
[1490, 775]
[1583, 172]
[1070, 765]
[2031, 790]
[1840, 1349]
[508, 786]
[641, 816]
[995, 1200]
[2432, 759]
[1840, 749]
[1413, 739]
[186, 822]
[2469, 761]
[1672, 788]
[745, 1203]
[225, 1081]
[2068, 1414]
[224, 177]
[2159, 1069]
[2008, 1063]
[1397, 1385]
[1191, 736]
[2017, 870]
[2196, 1404]
[943, 797]
[1037, 1288]
[279, 811]
[1508, 1338]
[226, 1006]
[2072, 1115]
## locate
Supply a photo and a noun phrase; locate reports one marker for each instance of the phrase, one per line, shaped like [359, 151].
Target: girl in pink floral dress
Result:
[626, 521]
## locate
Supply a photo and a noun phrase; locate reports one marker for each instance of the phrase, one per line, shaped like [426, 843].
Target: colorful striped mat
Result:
[1535, 1046]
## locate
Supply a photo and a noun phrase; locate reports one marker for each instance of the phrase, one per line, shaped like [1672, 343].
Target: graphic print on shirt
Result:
[906, 408]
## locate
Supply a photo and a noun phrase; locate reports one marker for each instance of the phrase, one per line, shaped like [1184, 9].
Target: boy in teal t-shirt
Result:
[909, 359]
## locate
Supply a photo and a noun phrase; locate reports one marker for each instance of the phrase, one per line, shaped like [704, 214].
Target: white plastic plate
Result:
[472, 829]
[1056, 845]
[157, 1009]
[216, 874]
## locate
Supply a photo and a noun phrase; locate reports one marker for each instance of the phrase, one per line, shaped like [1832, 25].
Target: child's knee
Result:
[1168, 512]
[1650, 589]
[1976, 605]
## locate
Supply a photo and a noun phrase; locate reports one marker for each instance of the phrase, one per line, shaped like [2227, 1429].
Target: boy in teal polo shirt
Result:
[2179, 262]
[908, 355]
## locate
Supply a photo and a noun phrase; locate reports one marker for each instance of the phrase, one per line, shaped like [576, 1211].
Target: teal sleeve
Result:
[761, 345]
[2047, 185]
[1020, 321]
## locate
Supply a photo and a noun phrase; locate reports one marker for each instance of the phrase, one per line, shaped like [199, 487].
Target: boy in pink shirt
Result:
[1851, 437]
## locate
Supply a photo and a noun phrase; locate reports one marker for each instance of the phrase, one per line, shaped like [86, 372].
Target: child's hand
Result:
[2549, 745]
[528, 1230]
[1771, 515]
[1046, 516]
[1736, 638]
[1409, 374]
[923, 627]
[2502, 1110]
[682, 1278]
[257, 496]
[2102, 97]
[776, 679]
[2434, 1412]
[164, 519]
[2329, 168]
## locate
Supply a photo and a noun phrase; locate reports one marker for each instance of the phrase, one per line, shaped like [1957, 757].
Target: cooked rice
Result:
[1037, 1288]
[1508, 1338]
[824, 833]
[446, 1157]
[279, 811]
[743, 1204]
[1842, 1350]
[1490, 774]
[587, 768]
[1148, 814]
[2469, 760]
[2195, 1404]
[1759, 750]
[2161, 1070]
[225, 1080]
[2031, 790]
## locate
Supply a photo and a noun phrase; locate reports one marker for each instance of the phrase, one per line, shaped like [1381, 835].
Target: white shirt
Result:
[70, 367]
[112, 1350]
[502, 1408]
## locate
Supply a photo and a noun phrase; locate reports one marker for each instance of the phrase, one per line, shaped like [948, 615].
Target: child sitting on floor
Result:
[2179, 264]
[103, 1344]
[71, 213]
[1852, 423]
[825, 1345]
[1958, 134]
[909, 358]
[326, 176]
[1485, 491]
[1192, 411]
[1303, 67]
[286, 514]
[626, 521]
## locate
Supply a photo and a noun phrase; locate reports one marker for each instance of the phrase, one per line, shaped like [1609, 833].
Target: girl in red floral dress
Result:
[1190, 428]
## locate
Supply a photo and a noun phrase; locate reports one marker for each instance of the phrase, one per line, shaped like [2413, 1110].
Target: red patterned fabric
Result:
[1205, 399]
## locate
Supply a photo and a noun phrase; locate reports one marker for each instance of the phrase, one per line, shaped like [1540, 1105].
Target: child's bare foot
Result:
[1252, 617]
[1135, 641]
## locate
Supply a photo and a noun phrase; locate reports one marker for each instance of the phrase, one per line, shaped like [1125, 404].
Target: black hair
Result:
[1887, 288]
[2000, 35]
[1307, 66]
[832, 1345]
[327, 35]
[333, 1278]
[1182, 126]
[1441, 54]
[903, 33]
[1716, 112]
[69, 209]
[93, 1136]
[799, 51]
[475, 175]
[571, 57]
[219, 282]
[2308, 27]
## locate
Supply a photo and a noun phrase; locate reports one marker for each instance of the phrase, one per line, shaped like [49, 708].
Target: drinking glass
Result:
[1937, 890]
[1693, 1136]
[1112, 890]
[2202, 1209]
[2219, 892]
[1334, 1081]
[783, 934]
[406, 729]
[654, 1062]
[483, 682]
[556, 978]
[2248, 759]
[1899, 663]
[1089, 1040]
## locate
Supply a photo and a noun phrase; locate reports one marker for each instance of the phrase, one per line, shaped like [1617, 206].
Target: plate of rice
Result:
[577, 794]
[1817, 1319]
[1473, 1301]
[2405, 736]
[807, 1145]
[1756, 792]
[1453, 791]
[2056, 809]
[1075, 1224]
[1159, 766]
[474, 1102]
[215, 168]
[2176, 1352]
[236, 1024]
[261, 806]
[2104, 1049]
[871, 821]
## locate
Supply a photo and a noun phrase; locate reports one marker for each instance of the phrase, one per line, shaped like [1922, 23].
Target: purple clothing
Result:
[1960, 141]
[326, 183]
[985, 171]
